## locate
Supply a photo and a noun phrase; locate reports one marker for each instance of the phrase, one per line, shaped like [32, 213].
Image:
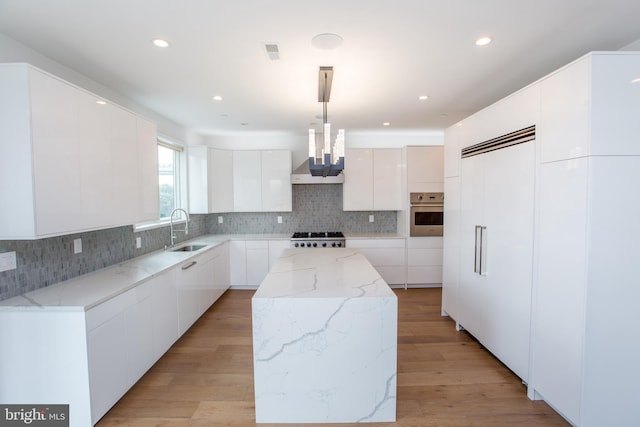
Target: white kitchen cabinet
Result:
[108, 352]
[357, 190]
[424, 261]
[69, 164]
[387, 256]
[262, 181]
[276, 181]
[276, 247]
[196, 287]
[373, 179]
[257, 261]
[494, 295]
[247, 181]
[451, 246]
[587, 253]
[425, 168]
[451, 151]
[164, 315]
[210, 180]
[250, 260]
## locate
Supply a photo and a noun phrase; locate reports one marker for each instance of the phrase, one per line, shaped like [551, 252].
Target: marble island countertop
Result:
[322, 273]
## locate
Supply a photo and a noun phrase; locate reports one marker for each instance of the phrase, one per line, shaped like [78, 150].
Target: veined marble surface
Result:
[84, 292]
[325, 340]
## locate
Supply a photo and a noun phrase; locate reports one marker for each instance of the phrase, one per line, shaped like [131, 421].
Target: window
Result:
[169, 177]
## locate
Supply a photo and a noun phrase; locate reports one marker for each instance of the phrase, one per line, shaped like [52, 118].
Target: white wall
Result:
[13, 51]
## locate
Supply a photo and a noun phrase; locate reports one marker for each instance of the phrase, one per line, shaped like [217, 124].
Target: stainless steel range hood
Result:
[302, 175]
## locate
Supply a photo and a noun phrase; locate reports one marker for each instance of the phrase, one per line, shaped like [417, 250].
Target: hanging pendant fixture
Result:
[325, 159]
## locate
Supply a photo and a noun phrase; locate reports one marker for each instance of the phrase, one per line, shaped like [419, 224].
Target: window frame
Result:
[181, 192]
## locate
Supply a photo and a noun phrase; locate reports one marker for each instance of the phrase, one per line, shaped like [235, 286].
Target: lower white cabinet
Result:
[424, 260]
[386, 255]
[251, 259]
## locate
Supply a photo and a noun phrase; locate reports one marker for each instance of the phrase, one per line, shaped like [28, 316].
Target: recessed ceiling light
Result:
[386, 124]
[161, 43]
[101, 102]
[327, 41]
[636, 80]
[483, 41]
[217, 98]
[423, 97]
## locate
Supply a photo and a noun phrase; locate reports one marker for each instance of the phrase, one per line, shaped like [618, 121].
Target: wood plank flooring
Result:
[445, 378]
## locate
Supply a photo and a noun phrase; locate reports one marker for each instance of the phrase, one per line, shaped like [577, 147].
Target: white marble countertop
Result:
[84, 292]
[326, 273]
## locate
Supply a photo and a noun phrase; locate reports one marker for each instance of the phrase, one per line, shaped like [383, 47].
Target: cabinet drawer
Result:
[419, 275]
[109, 309]
[424, 242]
[386, 256]
[375, 243]
[424, 257]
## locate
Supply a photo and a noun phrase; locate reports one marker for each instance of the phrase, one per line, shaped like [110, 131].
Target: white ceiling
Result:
[393, 51]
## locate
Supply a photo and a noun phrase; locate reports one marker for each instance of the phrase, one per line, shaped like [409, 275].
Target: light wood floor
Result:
[445, 378]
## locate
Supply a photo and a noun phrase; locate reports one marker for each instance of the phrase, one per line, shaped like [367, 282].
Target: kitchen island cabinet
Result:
[324, 340]
[69, 164]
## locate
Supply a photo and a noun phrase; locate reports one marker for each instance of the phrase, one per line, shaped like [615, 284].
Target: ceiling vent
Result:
[272, 50]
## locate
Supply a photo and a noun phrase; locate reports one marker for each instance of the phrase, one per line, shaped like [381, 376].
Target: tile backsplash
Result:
[44, 262]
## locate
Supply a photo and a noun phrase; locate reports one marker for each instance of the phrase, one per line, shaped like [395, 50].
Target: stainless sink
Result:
[188, 248]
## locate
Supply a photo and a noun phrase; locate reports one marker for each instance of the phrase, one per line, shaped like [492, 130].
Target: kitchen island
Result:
[324, 340]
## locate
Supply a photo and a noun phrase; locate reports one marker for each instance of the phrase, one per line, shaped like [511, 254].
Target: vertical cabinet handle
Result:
[480, 250]
[476, 250]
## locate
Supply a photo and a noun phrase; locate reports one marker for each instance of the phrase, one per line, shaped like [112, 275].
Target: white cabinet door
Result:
[357, 190]
[220, 184]
[194, 281]
[247, 181]
[56, 154]
[495, 305]
[451, 247]
[425, 168]
[210, 180]
[257, 261]
[424, 260]
[238, 263]
[452, 151]
[564, 114]
[221, 278]
[108, 352]
[138, 320]
[124, 169]
[276, 247]
[276, 181]
[164, 314]
[387, 256]
[387, 179]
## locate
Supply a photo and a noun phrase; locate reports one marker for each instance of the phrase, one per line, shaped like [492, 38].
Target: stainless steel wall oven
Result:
[427, 211]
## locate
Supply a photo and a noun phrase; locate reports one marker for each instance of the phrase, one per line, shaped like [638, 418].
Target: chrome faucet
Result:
[186, 225]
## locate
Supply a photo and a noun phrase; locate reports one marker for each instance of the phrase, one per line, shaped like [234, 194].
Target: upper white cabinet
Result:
[210, 180]
[276, 181]
[425, 168]
[373, 179]
[239, 181]
[451, 151]
[67, 163]
[247, 181]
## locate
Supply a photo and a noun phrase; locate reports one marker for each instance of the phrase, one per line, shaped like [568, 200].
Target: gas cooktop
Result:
[323, 239]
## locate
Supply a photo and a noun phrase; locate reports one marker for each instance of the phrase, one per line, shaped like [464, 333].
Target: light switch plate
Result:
[77, 246]
[220, 219]
[279, 219]
[370, 218]
[138, 242]
[7, 261]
